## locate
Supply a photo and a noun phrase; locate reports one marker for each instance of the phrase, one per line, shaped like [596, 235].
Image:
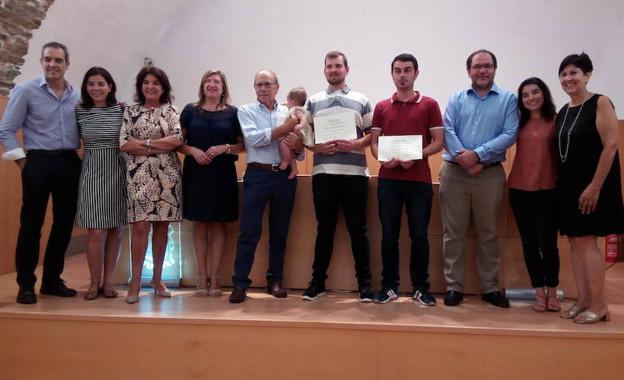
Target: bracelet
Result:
[148, 143]
[229, 148]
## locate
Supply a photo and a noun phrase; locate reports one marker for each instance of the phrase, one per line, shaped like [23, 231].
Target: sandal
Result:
[540, 300]
[215, 290]
[201, 287]
[572, 312]
[589, 317]
[553, 303]
[91, 294]
[108, 293]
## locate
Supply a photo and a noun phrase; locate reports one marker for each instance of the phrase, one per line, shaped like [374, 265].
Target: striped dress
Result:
[102, 189]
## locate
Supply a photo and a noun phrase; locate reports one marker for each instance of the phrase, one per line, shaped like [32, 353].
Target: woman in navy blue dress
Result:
[213, 139]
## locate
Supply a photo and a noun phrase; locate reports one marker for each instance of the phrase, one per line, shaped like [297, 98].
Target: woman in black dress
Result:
[212, 138]
[590, 196]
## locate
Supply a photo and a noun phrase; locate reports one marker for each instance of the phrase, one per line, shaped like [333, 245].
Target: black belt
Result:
[271, 167]
[58, 152]
[485, 166]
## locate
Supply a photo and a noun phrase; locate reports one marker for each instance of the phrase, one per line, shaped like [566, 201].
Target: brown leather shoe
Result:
[275, 289]
[238, 295]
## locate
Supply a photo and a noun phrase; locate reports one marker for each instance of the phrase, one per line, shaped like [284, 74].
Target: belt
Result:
[271, 167]
[485, 166]
[58, 152]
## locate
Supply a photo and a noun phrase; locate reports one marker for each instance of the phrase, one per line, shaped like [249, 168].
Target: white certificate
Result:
[338, 126]
[403, 148]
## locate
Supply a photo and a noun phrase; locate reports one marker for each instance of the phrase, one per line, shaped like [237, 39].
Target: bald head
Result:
[265, 73]
[266, 85]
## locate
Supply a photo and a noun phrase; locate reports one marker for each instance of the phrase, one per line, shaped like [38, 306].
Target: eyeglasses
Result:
[264, 84]
[487, 66]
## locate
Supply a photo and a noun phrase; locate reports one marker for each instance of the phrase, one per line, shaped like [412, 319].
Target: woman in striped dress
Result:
[102, 189]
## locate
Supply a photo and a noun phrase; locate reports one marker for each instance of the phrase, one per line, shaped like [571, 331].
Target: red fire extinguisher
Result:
[612, 248]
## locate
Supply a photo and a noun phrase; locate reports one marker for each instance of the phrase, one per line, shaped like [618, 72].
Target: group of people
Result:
[565, 177]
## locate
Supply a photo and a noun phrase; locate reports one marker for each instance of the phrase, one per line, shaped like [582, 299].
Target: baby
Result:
[295, 100]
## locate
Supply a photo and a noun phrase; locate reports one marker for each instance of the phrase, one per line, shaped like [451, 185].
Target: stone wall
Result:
[18, 18]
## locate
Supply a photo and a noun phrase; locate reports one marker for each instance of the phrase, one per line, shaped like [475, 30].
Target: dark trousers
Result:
[417, 197]
[330, 192]
[535, 216]
[44, 175]
[259, 188]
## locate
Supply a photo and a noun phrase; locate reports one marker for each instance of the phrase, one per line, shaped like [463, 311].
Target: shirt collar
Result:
[41, 82]
[494, 89]
[262, 106]
[344, 90]
[414, 99]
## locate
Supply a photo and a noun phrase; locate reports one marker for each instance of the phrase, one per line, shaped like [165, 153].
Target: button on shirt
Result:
[256, 122]
[487, 125]
[49, 123]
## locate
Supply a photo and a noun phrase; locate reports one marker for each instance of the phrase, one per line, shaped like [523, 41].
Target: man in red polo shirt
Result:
[406, 182]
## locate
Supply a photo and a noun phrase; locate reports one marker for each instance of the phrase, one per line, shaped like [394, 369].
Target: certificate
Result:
[338, 126]
[403, 148]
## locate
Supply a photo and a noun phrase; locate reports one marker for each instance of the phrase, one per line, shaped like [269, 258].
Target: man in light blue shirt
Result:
[264, 182]
[480, 123]
[44, 109]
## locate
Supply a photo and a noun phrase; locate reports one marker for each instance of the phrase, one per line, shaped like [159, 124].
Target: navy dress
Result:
[581, 152]
[210, 192]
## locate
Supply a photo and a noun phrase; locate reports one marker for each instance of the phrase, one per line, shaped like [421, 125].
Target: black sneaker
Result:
[57, 289]
[366, 294]
[386, 295]
[313, 292]
[423, 297]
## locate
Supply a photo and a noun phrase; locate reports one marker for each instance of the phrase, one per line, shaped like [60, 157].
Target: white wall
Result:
[187, 37]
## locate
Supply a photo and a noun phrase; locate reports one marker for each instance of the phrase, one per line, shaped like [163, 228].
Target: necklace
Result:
[563, 155]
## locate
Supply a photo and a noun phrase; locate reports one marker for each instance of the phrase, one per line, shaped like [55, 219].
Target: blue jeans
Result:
[259, 187]
[417, 197]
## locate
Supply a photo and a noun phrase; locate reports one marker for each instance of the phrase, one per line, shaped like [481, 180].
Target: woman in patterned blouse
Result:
[150, 135]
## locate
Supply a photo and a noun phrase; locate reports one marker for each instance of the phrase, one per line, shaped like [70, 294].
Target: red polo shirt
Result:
[416, 116]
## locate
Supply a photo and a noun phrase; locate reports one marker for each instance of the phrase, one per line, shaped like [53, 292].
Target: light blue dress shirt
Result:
[49, 123]
[256, 122]
[487, 125]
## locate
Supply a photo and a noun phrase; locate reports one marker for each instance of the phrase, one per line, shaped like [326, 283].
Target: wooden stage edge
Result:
[335, 337]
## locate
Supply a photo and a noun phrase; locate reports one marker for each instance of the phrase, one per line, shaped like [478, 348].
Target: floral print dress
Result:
[154, 181]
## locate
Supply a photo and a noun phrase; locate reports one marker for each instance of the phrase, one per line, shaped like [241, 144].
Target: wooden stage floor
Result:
[335, 337]
[336, 309]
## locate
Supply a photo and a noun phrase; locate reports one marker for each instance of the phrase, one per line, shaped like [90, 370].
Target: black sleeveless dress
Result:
[579, 147]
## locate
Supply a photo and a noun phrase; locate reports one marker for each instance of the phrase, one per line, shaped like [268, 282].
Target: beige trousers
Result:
[461, 196]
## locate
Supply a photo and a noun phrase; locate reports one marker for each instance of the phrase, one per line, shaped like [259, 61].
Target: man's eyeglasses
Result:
[263, 84]
[487, 66]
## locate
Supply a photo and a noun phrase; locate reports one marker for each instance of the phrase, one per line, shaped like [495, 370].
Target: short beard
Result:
[486, 87]
[335, 82]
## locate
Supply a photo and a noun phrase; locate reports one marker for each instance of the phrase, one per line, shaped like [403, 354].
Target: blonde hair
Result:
[225, 95]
